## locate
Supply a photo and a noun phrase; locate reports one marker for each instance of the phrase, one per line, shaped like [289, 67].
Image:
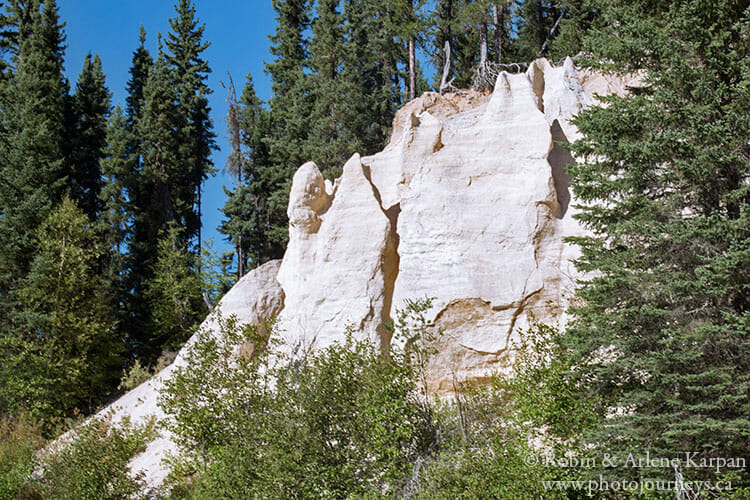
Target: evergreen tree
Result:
[174, 292]
[536, 20]
[290, 109]
[579, 17]
[142, 237]
[372, 68]
[115, 221]
[196, 138]
[91, 108]
[31, 175]
[157, 202]
[249, 208]
[63, 354]
[139, 72]
[290, 105]
[456, 21]
[663, 329]
[330, 141]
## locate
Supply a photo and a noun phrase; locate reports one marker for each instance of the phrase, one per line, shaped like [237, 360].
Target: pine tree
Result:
[663, 329]
[536, 20]
[579, 17]
[250, 217]
[184, 47]
[91, 108]
[330, 141]
[455, 21]
[157, 201]
[115, 221]
[31, 174]
[290, 105]
[128, 175]
[139, 72]
[290, 110]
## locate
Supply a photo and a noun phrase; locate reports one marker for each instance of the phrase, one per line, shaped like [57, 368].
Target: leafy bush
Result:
[94, 465]
[346, 421]
[495, 439]
[19, 440]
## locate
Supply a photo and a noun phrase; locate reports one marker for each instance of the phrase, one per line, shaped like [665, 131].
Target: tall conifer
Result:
[91, 108]
[662, 338]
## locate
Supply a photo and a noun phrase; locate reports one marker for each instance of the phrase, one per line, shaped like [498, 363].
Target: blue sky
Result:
[238, 31]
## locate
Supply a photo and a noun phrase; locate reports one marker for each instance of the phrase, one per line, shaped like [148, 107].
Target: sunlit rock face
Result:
[469, 204]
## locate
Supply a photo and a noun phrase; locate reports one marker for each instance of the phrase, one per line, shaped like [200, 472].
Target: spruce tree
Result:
[142, 242]
[290, 109]
[330, 141]
[174, 292]
[91, 108]
[196, 138]
[115, 222]
[536, 20]
[158, 200]
[661, 339]
[248, 207]
[31, 175]
[290, 105]
[139, 72]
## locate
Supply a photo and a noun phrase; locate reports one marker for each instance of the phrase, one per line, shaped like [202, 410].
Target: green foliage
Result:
[215, 281]
[63, 355]
[345, 421]
[499, 441]
[94, 464]
[174, 292]
[20, 438]
[91, 108]
[33, 116]
[195, 138]
[663, 327]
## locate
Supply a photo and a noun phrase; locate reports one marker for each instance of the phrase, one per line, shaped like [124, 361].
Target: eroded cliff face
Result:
[469, 203]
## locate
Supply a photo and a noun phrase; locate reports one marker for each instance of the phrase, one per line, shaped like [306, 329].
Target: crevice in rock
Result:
[537, 83]
[558, 158]
[519, 309]
[391, 260]
[438, 141]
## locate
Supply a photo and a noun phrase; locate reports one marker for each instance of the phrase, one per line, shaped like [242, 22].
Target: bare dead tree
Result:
[549, 37]
[234, 160]
[445, 85]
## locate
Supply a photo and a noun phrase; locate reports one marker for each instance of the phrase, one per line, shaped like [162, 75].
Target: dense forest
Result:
[104, 274]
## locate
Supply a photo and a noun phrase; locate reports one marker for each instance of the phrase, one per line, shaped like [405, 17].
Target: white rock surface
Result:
[469, 203]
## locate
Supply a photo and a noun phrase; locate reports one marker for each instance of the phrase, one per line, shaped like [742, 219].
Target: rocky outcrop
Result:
[469, 203]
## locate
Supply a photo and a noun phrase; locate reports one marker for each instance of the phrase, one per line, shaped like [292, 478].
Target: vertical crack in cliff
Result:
[391, 260]
[558, 158]
[537, 83]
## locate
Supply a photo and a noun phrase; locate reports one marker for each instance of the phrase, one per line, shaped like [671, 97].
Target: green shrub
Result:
[94, 465]
[19, 440]
[495, 439]
[343, 422]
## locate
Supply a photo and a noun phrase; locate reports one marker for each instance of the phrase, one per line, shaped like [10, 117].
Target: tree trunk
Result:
[444, 83]
[483, 45]
[412, 70]
[412, 61]
[498, 19]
